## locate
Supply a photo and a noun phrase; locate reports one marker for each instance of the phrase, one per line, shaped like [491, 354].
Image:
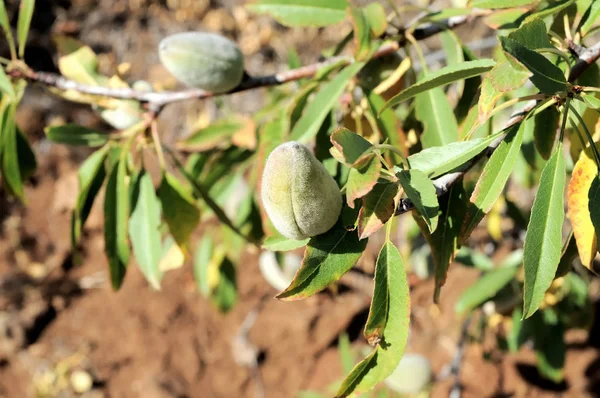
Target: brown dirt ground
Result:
[55, 316]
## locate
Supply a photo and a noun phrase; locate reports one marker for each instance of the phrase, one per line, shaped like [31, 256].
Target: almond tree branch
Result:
[155, 101]
[587, 57]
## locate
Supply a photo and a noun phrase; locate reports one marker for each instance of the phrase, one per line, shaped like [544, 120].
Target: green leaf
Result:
[544, 132]
[547, 77]
[421, 192]
[361, 181]
[590, 17]
[553, 8]
[144, 231]
[472, 258]
[433, 109]
[307, 127]
[116, 220]
[179, 209]
[351, 147]
[439, 160]
[493, 179]
[6, 86]
[280, 243]
[500, 3]
[485, 288]
[7, 29]
[442, 77]
[72, 134]
[212, 135]
[378, 206]
[326, 259]
[202, 256]
[361, 33]
[224, 294]
[532, 34]
[11, 169]
[25, 14]
[542, 246]
[27, 161]
[452, 46]
[550, 349]
[387, 325]
[302, 12]
[594, 209]
[346, 357]
[444, 240]
[376, 18]
[591, 100]
[503, 78]
[91, 176]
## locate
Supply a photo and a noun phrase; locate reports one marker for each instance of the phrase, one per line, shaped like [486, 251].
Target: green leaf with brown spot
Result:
[387, 325]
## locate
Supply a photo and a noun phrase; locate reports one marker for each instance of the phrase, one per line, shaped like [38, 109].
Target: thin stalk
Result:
[564, 123]
[587, 133]
[157, 145]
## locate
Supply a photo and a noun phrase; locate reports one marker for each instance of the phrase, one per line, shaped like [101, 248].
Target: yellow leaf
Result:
[173, 259]
[584, 172]
[81, 65]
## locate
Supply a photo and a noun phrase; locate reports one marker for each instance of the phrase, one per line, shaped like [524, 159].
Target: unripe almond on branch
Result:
[299, 195]
[203, 60]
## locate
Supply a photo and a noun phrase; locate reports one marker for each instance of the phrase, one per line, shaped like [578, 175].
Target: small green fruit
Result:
[299, 195]
[203, 60]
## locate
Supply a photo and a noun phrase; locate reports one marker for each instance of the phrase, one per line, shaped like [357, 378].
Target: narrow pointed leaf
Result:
[90, 176]
[485, 288]
[542, 246]
[179, 209]
[72, 134]
[439, 160]
[144, 231]
[116, 220]
[439, 123]
[326, 259]
[24, 22]
[500, 3]
[11, 169]
[493, 179]
[544, 132]
[420, 190]
[302, 12]
[387, 325]
[532, 34]
[444, 76]
[547, 77]
[281, 243]
[307, 127]
[444, 240]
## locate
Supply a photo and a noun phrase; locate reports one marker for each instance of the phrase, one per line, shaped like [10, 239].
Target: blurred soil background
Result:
[58, 318]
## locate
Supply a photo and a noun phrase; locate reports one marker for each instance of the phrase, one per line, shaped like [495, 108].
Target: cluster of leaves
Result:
[386, 146]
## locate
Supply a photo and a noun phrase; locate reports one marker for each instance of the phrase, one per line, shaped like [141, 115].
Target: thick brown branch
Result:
[587, 57]
[156, 100]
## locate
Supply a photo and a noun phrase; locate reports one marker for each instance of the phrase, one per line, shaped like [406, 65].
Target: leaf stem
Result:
[564, 122]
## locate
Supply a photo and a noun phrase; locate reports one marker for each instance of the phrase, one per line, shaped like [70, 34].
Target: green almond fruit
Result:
[299, 195]
[203, 60]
